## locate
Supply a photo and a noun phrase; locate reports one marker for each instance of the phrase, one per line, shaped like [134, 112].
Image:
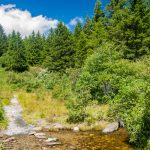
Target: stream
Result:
[89, 140]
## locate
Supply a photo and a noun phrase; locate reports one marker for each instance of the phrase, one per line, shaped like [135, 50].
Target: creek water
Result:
[93, 140]
[90, 140]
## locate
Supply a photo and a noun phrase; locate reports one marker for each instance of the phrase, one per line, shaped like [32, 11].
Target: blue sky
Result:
[40, 15]
[64, 10]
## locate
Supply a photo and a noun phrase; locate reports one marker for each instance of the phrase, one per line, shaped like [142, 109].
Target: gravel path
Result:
[16, 124]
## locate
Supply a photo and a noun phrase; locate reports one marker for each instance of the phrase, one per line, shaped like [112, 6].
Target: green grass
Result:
[40, 103]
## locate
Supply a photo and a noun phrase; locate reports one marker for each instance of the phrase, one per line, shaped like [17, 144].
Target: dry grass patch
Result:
[36, 107]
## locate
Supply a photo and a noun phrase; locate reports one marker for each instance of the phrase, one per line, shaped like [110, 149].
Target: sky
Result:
[41, 15]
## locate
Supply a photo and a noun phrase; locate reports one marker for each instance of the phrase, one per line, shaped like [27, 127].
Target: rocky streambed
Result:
[20, 136]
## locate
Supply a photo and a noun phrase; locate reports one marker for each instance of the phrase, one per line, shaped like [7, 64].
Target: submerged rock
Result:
[40, 135]
[111, 127]
[51, 140]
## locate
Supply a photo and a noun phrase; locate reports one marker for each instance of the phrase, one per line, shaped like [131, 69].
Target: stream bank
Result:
[20, 136]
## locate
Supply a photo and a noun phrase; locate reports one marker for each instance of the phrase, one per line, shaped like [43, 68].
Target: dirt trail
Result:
[14, 114]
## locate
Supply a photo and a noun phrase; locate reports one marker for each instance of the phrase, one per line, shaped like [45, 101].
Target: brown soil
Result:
[71, 141]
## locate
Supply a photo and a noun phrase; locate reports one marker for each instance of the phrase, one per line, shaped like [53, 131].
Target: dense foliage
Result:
[105, 60]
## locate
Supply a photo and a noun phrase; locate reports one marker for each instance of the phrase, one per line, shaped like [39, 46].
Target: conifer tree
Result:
[77, 30]
[129, 26]
[49, 45]
[15, 58]
[98, 13]
[35, 48]
[62, 52]
[81, 49]
[3, 41]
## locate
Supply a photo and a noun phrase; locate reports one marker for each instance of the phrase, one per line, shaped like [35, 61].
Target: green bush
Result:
[31, 85]
[132, 106]
[124, 84]
[62, 90]
[1, 113]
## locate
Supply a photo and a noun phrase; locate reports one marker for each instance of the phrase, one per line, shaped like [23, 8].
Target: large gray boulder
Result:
[111, 127]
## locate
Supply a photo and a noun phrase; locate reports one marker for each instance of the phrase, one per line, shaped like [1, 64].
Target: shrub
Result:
[124, 84]
[1, 113]
[132, 106]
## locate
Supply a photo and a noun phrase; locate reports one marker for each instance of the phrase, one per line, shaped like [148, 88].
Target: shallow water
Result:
[93, 140]
[90, 140]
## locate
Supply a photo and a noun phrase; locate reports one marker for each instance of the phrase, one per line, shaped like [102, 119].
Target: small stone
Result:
[76, 129]
[9, 139]
[39, 134]
[32, 133]
[44, 148]
[72, 147]
[51, 140]
[111, 127]
[37, 129]
[53, 143]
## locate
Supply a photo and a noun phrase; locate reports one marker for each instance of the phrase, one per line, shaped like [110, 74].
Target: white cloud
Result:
[12, 18]
[74, 21]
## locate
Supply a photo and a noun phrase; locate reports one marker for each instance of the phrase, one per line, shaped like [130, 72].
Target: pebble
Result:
[44, 148]
[32, 133]
[51, 140]
[76, 129]
[9, 139]
[40, 135]
[72, 147]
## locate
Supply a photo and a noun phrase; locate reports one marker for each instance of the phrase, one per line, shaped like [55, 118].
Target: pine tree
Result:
[129, 26]
[98, 13]
[88, 26]
[77, 30]
[35, 48]
[49, 45]
[62, 53]
[3, 41]
[15, 58]
[81, 50]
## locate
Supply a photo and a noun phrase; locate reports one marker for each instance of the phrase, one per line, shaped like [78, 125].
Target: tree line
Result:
[124, 22]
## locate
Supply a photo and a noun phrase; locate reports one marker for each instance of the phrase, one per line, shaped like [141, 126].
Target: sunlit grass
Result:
[36, 107]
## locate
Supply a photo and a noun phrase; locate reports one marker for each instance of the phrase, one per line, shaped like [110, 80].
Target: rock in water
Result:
[40, 135]
[51, 140]
[111, 127]
[76, 129]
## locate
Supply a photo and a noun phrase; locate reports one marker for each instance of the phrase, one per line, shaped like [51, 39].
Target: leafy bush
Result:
[107, 78]
[132, 106]
[1, 113]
